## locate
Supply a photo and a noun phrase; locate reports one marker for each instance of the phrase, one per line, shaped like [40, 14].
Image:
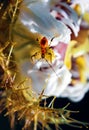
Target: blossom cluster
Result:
[65, 24]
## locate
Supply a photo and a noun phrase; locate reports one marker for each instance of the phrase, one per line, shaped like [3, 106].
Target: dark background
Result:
[83, 115]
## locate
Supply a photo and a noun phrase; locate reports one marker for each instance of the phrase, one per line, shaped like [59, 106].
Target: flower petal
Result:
[53, 83]
[42, 22]
[68, 16]
[75, 93]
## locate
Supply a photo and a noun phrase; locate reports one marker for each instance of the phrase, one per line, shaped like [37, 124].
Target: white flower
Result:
[39, 17]
[55, 77]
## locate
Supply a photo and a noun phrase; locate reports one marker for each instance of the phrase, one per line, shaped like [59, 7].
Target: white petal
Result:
[76, 93]
[54, 83]
[70, 17]
[38, 19]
